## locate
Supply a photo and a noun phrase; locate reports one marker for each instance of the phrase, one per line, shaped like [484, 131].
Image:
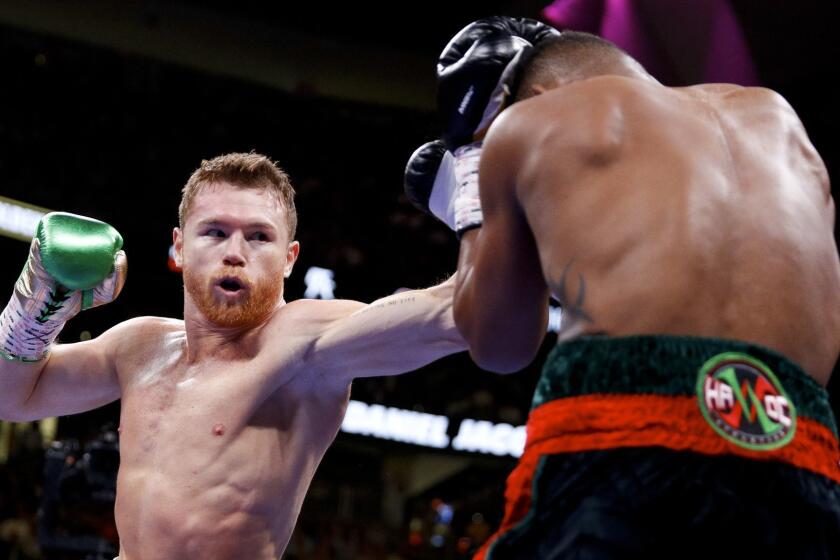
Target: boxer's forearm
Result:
[500, 304]
[392, 335]
[416, 328]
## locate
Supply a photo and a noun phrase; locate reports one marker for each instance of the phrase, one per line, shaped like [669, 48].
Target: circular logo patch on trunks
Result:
[744, 402]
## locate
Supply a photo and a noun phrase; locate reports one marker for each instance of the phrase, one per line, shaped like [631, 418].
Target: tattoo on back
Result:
[573, 309]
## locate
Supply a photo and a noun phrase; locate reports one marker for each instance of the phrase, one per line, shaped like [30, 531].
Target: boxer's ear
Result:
[292, 253]
[538, 89]
[178, 243]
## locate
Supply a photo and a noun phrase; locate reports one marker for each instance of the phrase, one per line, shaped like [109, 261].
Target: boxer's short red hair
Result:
[247, 171]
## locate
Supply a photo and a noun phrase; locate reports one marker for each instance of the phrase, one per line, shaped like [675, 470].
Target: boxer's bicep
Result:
[75, 378]
[392, 335]
[501, 303]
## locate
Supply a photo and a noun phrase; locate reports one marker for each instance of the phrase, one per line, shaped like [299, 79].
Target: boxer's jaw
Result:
[247, 307]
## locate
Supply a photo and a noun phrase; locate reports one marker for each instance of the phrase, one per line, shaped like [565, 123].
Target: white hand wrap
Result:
[466, 202]
[442, 197]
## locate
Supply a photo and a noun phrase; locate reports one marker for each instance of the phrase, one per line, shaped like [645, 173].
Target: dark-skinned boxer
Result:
[687, 234]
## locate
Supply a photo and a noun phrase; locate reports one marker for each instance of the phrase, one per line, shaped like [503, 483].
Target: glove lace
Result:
[55, 303]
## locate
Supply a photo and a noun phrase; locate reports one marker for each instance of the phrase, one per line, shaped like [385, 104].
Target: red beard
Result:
[250, 309]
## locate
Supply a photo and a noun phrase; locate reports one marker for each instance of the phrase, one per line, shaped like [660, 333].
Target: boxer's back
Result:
[699, 211]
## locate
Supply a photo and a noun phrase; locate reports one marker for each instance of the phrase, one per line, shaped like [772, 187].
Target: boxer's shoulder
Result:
[596, 92]
[575, 107]
[130, 346]
[313, 315]
[142, 336]
[301, 323]
[580, 121]
[150, 326]
[732, 91]
[303, 326]
[753, 99]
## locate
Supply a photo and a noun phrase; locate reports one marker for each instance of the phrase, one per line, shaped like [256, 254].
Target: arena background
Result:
[106, 107]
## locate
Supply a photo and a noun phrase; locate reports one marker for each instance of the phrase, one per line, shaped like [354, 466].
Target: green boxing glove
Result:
[74, 263]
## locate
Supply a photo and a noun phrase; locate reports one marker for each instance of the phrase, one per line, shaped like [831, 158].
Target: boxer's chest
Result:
[191, 408]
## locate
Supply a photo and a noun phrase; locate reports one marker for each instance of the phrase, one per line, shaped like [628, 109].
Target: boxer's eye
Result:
[259, 236]
[215, 233]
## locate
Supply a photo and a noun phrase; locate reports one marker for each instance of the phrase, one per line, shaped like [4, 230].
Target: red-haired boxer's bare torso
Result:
[698, 211]
[226, 414]
[215, 461]
[217, 453]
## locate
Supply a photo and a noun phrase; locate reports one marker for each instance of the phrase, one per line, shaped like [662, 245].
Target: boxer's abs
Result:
[708, 216]
[208, 470]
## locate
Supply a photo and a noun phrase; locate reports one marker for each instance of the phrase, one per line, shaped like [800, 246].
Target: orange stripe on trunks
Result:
[600, 422]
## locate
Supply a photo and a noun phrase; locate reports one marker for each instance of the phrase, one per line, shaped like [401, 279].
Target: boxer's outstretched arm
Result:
[501, 297]
[392, 335]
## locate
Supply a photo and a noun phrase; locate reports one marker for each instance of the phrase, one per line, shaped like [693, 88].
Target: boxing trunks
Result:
[673, 447]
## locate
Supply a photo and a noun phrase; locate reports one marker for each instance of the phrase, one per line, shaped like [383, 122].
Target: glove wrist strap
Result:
[467, 204]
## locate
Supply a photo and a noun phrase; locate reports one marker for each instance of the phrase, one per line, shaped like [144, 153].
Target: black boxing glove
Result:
[446, 184]
[477, 70]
